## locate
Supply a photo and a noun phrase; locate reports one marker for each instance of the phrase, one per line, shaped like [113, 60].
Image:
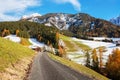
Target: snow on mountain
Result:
[115, 20]
[78, 22]
[60, 20]
[31, 16]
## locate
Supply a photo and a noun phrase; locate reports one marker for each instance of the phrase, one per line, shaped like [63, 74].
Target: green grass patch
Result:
[70, 44]
[65, 38]
[78, 67]
[79, 56]
[82, 46]
[11, 52]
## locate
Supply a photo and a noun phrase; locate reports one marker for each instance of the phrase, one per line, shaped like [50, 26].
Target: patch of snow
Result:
[56, 18]
[116, 20]
[31, 16]
[80, 60]
[67, 26]
[93, 44]
[13, 38]
[72, 56]
[48, 24]
[35, 43]
[63, 18]
[103, 38]
[61, 43]
[35, 14]
[92, 25]
[115, 39]
[98, 38]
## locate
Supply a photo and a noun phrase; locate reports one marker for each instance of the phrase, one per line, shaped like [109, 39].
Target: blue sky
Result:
[14, 9]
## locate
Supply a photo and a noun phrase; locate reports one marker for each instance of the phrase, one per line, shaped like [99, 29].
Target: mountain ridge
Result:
[116, 20]
[61, 20]
[81, 24]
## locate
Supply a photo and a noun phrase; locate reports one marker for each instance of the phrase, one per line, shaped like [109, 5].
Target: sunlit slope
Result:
[11, 53]
[73, 45]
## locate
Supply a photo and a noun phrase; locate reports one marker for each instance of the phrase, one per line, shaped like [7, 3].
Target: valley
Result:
[76, 41]
[59, 40]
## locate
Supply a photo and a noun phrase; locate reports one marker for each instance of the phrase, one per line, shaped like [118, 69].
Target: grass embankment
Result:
[82, 69]
[73, 45]
[12, 54]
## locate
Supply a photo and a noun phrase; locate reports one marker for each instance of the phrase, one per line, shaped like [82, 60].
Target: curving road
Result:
[44, 68]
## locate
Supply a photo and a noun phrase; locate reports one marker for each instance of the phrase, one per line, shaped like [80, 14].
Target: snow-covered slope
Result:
[13, 38]
[95, 44]
[115, 20]
[79, 56]
[60, 20]
[35, 43]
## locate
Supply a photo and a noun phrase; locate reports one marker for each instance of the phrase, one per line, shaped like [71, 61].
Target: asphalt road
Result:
[44, 68]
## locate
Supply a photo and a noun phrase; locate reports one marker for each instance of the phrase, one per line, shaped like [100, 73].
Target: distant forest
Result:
[27, 29]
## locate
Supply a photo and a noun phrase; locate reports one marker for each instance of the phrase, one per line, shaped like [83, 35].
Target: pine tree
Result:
[17, 31]
[87, 59]
[113, 65]
[57, 40]
[61, 51]
[39, 37]
[57, 36]
[95, 62]
[5, 32]
[100, 58]
[48, 42]
[24, 42]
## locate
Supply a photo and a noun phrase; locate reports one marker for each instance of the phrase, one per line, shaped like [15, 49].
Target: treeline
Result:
[100, 28]
[27, 29]
[112, 67]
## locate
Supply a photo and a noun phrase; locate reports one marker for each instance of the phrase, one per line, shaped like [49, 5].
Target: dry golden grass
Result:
[14, 59]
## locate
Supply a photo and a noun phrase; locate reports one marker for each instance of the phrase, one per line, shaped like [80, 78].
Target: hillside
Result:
[14, 59]
[81, 24]
[27, 29]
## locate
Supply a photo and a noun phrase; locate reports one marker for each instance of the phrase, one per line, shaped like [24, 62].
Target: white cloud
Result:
[4, 17]
[16, 7]
[75, 3]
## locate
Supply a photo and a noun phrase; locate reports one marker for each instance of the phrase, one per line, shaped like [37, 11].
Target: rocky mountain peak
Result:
[81, 24]
[116, 20]
[60, 20]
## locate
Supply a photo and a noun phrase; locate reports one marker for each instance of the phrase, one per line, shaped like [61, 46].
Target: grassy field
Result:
[78, 67]
[11, 53]
[82, 46]
[73, 45]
